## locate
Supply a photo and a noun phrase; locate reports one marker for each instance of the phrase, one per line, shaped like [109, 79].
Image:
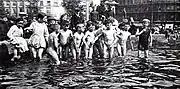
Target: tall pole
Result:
[87, 10]
[152, 17]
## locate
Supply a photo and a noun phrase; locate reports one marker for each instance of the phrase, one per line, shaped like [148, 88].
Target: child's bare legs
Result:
[74, 53]
[124, 50]
[139, 53]
[60, 52]
[90, 52]
[105, 51]
[40, 51]
[119, 50]
[15, 52]
[86, 53]
[146, 53]
[111, 52]
[131, 44]
[66, 51]
[54, 55]
[34, 52]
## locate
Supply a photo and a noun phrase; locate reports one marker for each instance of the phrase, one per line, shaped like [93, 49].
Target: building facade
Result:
[30, 7]
[158, 11]
[15, 7]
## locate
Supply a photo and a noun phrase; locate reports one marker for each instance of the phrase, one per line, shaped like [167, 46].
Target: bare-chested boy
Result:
[78, 36]
[53, 43]
[65, 39]
[110, 39]
[123, 36]
[89, 40]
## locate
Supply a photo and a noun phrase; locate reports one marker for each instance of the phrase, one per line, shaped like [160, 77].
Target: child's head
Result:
[126, 27]
[65, 25]
[80, 27]
[41, 17]
[146, 22]
[108, 24]
[55, 27]
[19, 22]
[90, 26]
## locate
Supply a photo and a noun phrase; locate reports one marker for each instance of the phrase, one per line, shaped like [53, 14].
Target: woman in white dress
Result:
[17, 43]
[39, 37]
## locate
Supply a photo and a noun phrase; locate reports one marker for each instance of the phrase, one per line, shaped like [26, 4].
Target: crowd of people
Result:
[81, 41]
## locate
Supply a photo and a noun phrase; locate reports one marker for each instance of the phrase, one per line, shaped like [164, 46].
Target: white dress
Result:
[40, 33]
[16, 40]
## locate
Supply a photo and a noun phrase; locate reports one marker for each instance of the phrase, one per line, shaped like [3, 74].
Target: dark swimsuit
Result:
[143, 40]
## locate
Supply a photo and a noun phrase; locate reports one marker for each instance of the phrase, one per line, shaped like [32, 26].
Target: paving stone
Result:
[164, 84]
[124, 75]
[139, 79]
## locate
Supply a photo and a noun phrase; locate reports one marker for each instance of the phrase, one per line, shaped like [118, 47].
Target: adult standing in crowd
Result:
[39, 37]
[76, 19]
[3, 28]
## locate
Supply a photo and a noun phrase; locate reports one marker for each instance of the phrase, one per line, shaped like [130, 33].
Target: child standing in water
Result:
[78, 41]
[110, 39]
[123, 37]
[88, 40]
[65, 39]
[39, 37]
[145, 38]
[53, 43]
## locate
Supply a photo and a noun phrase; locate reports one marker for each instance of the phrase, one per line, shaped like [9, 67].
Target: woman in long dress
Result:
[17, 43]
[39, 37]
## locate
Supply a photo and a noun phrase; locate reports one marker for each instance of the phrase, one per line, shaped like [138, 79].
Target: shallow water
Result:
[161, 70]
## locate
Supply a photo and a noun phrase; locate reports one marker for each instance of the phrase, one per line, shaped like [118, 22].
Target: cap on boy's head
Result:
[145, 20]
[89, 23]
[41, 15]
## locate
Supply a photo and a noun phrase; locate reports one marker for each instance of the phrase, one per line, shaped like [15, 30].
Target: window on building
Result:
[21, 9]
[7, 3]
[14, 3]
[41, 3]
[55, 3]
[48, 3]
[21, 3]
[48, 8]
[48, 12]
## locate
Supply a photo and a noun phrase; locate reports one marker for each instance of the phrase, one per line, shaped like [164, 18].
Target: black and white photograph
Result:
[89, 44]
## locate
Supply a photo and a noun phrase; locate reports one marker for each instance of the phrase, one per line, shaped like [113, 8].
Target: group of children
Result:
[98, 38]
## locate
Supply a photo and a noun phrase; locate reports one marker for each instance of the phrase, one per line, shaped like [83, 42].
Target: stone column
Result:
[10, 8]
[17, 9]
[24, 7]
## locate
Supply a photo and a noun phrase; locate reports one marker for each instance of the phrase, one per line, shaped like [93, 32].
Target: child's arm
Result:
[84, 39]
[56, 42]
[81, 43]
[115, 40]
[150, 39]
[96, 38]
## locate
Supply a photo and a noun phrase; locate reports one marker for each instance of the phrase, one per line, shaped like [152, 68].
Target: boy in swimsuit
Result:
[145, 38]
